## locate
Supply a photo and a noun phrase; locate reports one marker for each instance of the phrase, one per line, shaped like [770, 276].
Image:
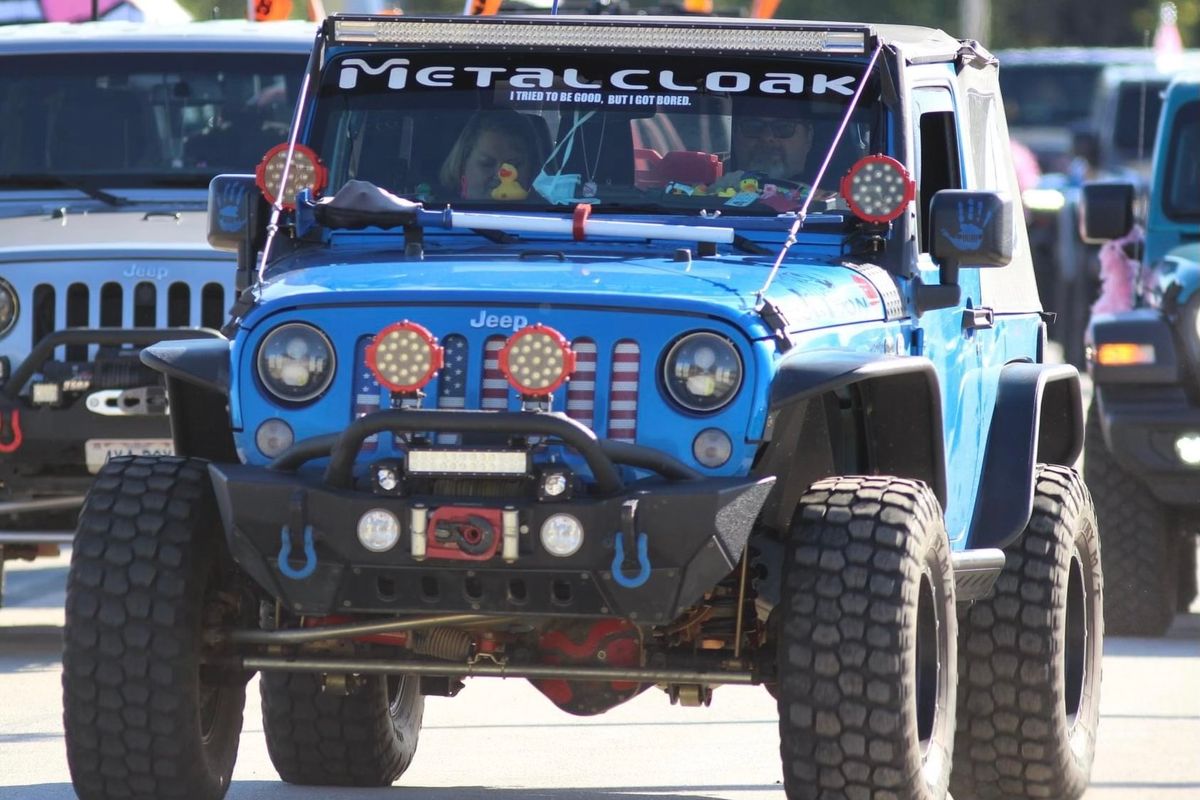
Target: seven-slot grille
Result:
[465, 374]
[114, 305]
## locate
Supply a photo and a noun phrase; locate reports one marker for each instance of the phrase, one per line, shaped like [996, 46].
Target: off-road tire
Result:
[366, 737]
[1139, 540]
[143, 719]
[1029, 660]
[866, 643]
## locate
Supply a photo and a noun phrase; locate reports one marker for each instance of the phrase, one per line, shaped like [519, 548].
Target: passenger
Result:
[497, 156]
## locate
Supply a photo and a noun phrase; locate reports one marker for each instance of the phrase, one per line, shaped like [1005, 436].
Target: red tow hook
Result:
[10, 431]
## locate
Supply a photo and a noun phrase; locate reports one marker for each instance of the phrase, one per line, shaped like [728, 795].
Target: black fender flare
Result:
[899, 410]
[1038, 419]
[197, 377]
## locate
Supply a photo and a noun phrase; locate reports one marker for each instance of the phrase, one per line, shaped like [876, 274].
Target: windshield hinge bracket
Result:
[777, 321]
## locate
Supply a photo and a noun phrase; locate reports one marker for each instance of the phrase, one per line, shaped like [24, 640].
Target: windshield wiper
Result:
[46, 180]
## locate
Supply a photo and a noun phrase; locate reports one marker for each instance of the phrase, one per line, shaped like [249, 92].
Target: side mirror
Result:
[969, 228]
[235, 209]
[1105, 211]
[231, 199]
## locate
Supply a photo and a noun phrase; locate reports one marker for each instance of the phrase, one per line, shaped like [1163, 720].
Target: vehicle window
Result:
[989, 154]
[1136, 120]
[142, 119]
[1181, 198]
[1046, 94]
[937, 156]
[554, 130]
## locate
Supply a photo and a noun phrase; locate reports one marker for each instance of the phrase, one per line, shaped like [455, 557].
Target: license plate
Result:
[98, 451]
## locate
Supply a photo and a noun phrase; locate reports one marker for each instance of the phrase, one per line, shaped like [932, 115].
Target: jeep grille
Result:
[618, 410]
[113, 305]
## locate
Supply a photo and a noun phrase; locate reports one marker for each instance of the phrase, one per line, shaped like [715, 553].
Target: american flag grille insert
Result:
[581, 390]
[623, 394]
[465, 381]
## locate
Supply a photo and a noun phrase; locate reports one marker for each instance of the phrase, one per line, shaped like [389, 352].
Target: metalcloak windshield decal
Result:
[608, 83]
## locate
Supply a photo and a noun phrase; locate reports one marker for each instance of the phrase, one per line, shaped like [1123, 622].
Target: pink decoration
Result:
[1118, 274]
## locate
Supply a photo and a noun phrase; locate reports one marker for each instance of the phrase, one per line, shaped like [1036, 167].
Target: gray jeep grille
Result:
[113, 305]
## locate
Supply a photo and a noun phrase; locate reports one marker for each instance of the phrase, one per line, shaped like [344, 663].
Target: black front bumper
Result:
[695, 531]
[42, 447]
[1141, 427]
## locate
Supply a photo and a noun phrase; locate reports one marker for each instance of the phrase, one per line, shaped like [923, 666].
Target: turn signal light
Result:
[1124, 354]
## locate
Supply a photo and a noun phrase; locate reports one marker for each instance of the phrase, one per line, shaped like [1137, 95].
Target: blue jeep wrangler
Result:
[1143, 433]
[112, 132]
[609, 353]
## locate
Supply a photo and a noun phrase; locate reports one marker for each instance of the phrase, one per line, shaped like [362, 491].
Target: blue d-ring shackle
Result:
[285, 553]
[643, 557]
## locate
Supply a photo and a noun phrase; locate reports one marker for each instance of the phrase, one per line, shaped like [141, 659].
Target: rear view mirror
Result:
[1105, 211]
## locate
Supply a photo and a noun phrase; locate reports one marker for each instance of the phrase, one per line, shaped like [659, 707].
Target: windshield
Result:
[126, 120]
[1048, 94]
[619, 132]
[1181, 197]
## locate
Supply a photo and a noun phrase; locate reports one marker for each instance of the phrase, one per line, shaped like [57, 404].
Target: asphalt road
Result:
[504, 741]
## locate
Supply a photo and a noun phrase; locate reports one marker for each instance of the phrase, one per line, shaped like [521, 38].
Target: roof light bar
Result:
[600, 35]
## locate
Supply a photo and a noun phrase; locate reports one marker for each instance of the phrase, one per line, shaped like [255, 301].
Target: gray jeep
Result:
[112, 133]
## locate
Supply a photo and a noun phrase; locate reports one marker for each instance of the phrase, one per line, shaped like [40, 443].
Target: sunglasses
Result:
[758, 128]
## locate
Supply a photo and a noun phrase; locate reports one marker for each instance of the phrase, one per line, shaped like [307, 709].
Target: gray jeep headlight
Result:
[8, 307]
[296, 362]
[702, 371]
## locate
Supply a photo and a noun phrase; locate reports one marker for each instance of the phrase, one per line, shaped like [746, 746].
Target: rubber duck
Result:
[509, 188]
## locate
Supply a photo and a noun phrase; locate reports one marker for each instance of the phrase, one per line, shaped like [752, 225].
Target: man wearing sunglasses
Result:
[766, 148]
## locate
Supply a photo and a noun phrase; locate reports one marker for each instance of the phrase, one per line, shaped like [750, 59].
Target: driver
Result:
[766, 148]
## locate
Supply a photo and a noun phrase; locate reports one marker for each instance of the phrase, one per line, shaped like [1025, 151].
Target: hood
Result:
[811, 293]
[92, 229]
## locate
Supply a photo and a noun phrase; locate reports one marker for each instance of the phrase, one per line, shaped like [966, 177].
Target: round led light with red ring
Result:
[306, 172]
[404, 356]
[878, 188]
[537, 360]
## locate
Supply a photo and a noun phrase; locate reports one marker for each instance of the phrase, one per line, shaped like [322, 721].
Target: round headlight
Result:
[378, 530]
[8, 307]
[702, 372]
[562, 535]
[296, 362]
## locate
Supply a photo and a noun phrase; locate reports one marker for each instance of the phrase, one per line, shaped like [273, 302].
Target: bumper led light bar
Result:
[404, 357]
[598, 35]
[537, 360]
[467, 462]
